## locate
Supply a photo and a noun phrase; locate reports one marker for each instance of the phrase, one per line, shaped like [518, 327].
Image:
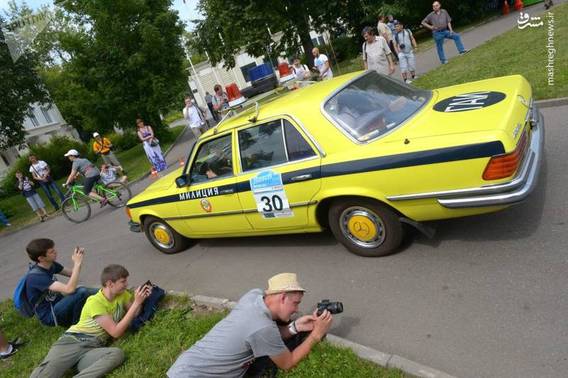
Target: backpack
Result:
[20, 298]
[148, 308]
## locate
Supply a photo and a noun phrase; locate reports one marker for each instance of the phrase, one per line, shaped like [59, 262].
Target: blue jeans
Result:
[47, 186]
[3, 219]
[68, 310]
[439, 37]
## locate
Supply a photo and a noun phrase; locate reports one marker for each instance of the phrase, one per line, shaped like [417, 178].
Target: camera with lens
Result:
[402, 46]
[332, 307]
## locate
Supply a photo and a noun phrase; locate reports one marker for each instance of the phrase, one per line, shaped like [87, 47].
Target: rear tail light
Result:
[506, 165]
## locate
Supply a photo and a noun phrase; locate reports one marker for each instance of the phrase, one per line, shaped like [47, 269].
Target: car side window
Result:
[297, 146]
[213, 160]
[262, 146]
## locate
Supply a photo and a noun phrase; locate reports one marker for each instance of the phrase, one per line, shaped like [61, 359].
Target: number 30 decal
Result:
[272, 203]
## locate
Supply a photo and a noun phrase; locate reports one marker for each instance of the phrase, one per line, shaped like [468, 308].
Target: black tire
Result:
[76, 209]
[365, 227]
[123, 194]
[171, 241]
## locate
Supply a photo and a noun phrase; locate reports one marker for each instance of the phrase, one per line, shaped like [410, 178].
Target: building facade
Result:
[44, 122]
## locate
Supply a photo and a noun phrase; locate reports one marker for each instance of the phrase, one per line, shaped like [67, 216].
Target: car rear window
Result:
[373, 105]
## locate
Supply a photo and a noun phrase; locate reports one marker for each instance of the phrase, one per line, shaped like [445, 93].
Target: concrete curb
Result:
[386, 360]
[550, 103]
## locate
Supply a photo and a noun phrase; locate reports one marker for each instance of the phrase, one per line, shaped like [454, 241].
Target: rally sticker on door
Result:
[469, 101]
[269, 195]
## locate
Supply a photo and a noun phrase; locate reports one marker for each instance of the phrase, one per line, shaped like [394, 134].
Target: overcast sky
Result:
[187, 11]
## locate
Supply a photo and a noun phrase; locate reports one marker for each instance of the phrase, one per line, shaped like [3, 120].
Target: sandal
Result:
[9, 354]
[17, 342]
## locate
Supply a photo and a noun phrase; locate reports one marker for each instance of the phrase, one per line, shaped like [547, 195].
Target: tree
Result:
[124, 59]
[20, 87]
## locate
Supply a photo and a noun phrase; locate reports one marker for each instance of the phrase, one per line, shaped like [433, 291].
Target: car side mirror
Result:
[182, 181]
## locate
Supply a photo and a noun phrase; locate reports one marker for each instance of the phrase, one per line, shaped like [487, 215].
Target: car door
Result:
[210, 204]
[279, 174]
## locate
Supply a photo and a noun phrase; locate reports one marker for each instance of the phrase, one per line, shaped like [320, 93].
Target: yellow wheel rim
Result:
[362, 228]
[162, 236]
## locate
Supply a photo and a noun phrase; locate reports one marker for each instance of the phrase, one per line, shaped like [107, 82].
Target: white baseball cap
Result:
[95, 134]
[72, 152]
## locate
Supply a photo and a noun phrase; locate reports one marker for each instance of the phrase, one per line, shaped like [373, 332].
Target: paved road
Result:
[485, 298]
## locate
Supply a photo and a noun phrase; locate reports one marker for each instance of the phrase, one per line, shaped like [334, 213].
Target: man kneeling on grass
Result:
[106, 314]
[249, 341]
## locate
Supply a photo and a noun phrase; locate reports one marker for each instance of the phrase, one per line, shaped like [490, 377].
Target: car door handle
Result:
[301, 177]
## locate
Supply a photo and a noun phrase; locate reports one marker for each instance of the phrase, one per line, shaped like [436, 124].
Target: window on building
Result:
[46, 115]
[33, 118]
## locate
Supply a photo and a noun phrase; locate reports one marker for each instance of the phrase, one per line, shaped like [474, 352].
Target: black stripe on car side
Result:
[190, 195]
[442, 155]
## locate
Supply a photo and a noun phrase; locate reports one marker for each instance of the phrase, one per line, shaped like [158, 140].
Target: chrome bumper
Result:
[507, 193]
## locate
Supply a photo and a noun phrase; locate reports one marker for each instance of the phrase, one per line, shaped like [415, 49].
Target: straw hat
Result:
[283, 282]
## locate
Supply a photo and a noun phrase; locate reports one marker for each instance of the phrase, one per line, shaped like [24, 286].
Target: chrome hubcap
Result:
[362, 227]
[162, 235]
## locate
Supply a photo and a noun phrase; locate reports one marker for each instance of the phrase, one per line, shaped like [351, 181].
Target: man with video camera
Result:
[258, 335]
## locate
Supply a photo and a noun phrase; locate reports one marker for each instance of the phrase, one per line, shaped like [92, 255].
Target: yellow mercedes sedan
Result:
[363, 154]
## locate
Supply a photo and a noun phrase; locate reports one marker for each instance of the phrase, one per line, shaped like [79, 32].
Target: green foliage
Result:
[346, 47]
[20, 86]
[121, 59]
[124, 141]
[52, 153]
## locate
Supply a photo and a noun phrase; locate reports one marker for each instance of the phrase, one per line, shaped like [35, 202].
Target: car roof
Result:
[297, 100]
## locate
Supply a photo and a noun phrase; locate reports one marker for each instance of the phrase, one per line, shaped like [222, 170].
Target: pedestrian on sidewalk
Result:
[151, 145]
[376, 53]
[42, 175]
[220, 100]
[103, 146]
[26, 186]
[4, 219]
[321, 62]
[440, 22]
[405, 45]
[194, 118]
[209, 101]
[386, 32]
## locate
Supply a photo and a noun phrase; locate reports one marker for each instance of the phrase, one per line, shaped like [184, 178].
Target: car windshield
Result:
[373, 105]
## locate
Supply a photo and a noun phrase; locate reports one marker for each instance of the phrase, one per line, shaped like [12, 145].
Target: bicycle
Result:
[76, 206]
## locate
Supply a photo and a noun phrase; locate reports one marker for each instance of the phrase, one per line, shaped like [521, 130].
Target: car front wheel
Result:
[163, 237]
[365, 227]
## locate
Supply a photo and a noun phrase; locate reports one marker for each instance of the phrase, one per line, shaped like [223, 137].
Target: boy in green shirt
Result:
[105, 315]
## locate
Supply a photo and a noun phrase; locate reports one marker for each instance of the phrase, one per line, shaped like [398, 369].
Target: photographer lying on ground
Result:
[249, 341]
[107, 314]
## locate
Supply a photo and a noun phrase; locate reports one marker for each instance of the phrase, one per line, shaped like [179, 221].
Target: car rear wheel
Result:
[365, 227]
[163, 237]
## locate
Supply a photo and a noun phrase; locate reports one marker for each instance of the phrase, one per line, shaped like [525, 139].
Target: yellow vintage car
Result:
[363, 155]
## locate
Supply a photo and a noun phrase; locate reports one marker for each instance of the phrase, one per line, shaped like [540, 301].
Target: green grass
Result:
[152, 350]
[514, 52]
[133, 160]
[173, 116]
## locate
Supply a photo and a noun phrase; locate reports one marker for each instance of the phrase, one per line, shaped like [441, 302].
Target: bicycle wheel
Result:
[117, 193]
[76, 209]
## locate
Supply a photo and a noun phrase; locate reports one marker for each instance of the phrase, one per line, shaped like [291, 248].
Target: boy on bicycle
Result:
[87, 169]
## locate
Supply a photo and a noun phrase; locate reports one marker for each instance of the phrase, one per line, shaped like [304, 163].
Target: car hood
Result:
[158, 187]
[493, 104]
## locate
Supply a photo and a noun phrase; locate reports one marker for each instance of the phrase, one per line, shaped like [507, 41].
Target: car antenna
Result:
[254, 118]
[229, 114]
